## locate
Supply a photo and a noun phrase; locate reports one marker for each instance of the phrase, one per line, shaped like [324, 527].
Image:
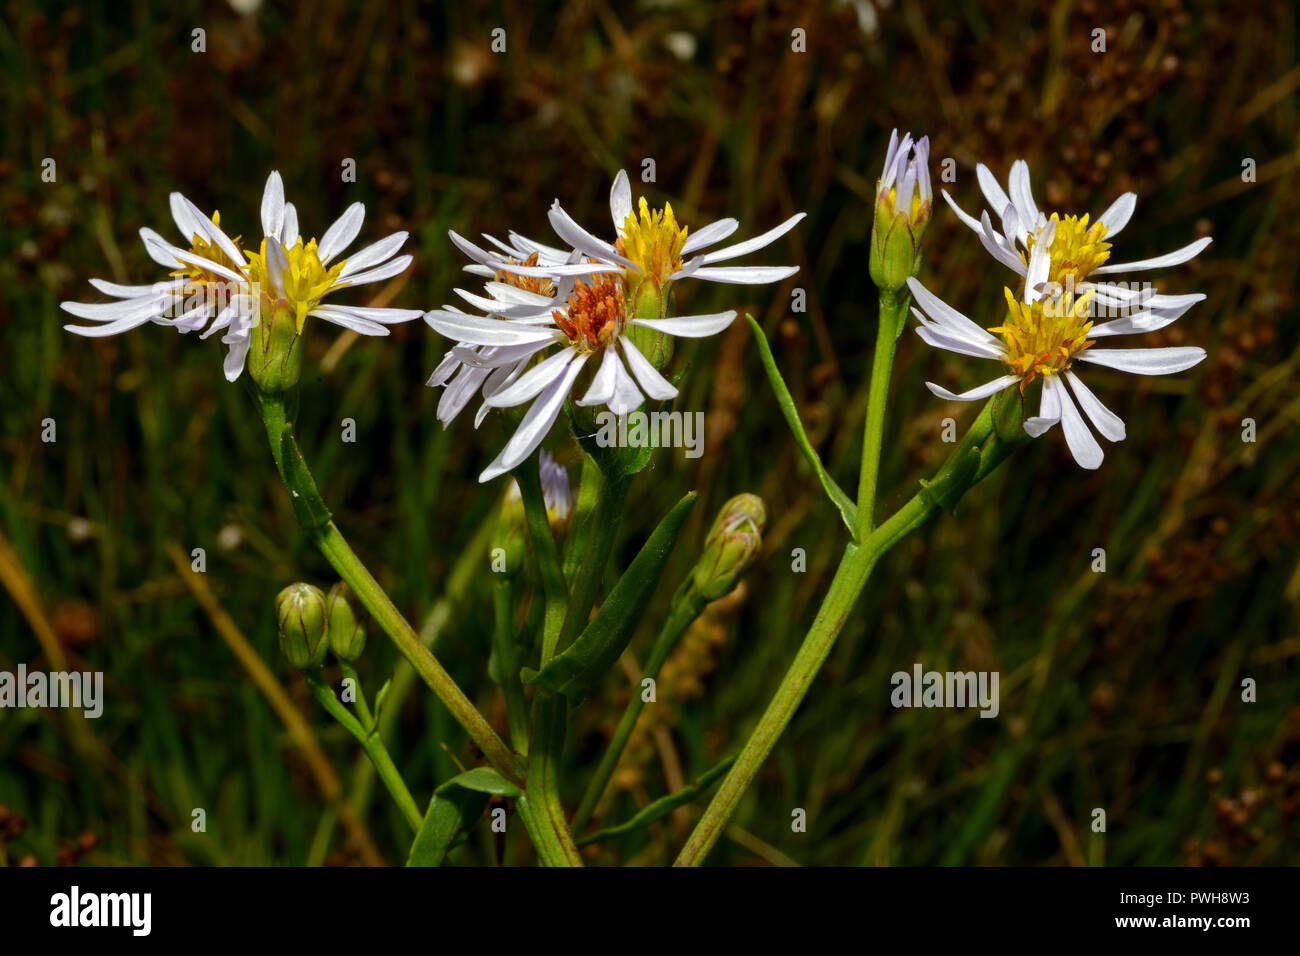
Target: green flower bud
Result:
[275, 352]
[510, 542]
[346, 635]
[300, 611]
[903, 206]
[732, 544]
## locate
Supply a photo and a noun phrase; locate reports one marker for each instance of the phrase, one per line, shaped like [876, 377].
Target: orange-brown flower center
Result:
[542, 285]
[596, 312]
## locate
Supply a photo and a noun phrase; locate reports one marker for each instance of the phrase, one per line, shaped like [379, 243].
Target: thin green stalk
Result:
[374, 747]
[350, 568]
[893, 314]
[541, 809]
[850, 578]
[686, 607]
[503, 644]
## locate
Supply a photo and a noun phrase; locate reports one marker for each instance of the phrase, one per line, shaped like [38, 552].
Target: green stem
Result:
[686, 607]
[503, 643]
[350, 568]
[893, 314]
[374, 747]
[541, 808]
[363, 709]
[850, 578]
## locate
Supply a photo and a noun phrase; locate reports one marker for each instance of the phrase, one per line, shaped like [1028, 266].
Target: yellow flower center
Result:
[654, 241]
[596, 313]
[1077, 249]
[1044, 338]
[201, 279]
[915, 212]
[306, 280]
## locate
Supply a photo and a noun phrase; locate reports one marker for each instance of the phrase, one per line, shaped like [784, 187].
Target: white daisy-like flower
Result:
[1044, 337]
[649, 245]
[588, 319]
[208, 280]
[557, 495]
[584, 300]
[1080, 249]
[214, 280]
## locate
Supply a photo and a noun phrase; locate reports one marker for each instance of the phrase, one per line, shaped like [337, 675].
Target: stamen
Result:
[596, 312]
[1044, 338]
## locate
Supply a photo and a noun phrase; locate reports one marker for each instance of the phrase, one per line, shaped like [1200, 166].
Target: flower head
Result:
[1079, 247]
[1045, 337]
[592, 302]
[903, 204]
[214, 283]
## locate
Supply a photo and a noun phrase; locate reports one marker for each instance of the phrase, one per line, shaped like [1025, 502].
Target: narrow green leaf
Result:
[848, 510]
[307, 503]
[455, 805]
[662, 807]
[576, 671]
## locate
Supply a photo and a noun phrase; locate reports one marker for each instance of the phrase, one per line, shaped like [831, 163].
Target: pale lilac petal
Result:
[1189, 251]
[1107, 423]
[341, 234]
[537, 422]
[758, 242]
[690, 326]
[475, 330]
[273, 206]
[373, 254]
[620, 201]
[1049, 408]
[975, 394]
[743, 275]
[1085, 449]
[1118, 214]
[1164, 361]
[535, 379]
[651, 382]
[708, 235]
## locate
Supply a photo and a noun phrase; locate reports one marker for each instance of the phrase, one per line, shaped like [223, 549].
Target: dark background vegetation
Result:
[1119, 690]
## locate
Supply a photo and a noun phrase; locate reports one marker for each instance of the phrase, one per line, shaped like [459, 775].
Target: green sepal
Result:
[578, 669]
[455, 805]
[848, 510]
[660, 808]
[1009, 415]
[307, 503]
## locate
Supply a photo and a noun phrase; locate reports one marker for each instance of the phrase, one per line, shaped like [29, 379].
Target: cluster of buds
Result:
[731, 546]
[903, 204]
[312, 624]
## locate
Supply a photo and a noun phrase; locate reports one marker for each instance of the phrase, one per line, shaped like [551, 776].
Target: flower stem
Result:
[350, 568]
[503, 643]
[541, 809]
[893, 314]
[850, 578]
[686, 607]
[374, 747]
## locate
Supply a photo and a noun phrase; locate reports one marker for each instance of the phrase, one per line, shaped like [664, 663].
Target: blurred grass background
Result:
[1119, 690]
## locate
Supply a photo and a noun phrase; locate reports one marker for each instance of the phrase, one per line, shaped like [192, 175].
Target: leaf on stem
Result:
[662, 807]
[455, 805]
[576, 671]
[307, 503]
[848, 510]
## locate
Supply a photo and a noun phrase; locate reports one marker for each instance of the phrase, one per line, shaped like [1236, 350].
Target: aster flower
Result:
[1043, 337]
[214, 283]
[590, 302]
[903, 204]
[648, 245]
[1080, 248]
[208, 280]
